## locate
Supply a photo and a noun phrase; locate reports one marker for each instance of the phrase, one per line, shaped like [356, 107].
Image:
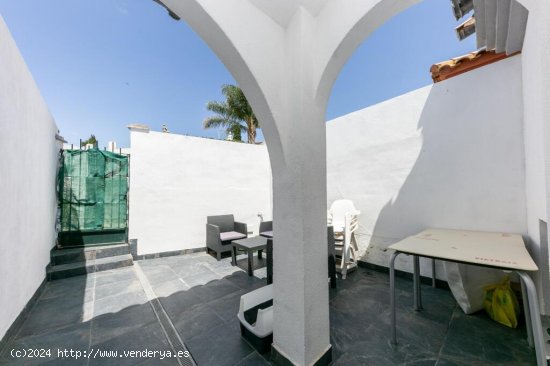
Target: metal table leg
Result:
[416, 284]
[392, 298]
[250, 254]
[260, 254]
[527, 315]
[536, 326]
[433, 273]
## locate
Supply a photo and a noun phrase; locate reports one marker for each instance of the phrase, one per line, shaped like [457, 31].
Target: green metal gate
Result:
[93, 197]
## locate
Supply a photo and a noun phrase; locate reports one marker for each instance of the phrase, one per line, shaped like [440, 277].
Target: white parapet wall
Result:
[28, 164]
[176, 181]
[450, 155]
[447, 155]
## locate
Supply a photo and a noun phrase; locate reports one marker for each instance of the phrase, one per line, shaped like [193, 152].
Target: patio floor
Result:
[198, 299]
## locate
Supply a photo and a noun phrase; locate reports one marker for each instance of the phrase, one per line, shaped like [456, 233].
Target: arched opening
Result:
[523, 110]
[522, 215]
[396, 58]
[356, 37]
[307, 334]
[442, 114]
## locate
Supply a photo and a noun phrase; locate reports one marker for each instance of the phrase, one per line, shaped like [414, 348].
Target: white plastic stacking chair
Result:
[344, 217]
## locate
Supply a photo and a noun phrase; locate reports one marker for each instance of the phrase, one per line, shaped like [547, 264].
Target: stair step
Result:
[74, 255]
[89, 266]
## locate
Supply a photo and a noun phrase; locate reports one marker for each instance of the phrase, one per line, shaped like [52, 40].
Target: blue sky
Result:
[104, 64]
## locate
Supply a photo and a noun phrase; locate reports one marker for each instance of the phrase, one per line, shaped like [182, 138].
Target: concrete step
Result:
[73, 255]
[67, 270]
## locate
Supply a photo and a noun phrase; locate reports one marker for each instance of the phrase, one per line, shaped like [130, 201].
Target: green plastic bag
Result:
[501, 303]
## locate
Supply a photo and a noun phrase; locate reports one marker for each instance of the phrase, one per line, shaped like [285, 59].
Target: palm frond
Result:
[215, 121]
[217, 107]
[235, 110]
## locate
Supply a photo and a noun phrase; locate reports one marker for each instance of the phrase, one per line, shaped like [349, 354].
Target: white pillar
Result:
[301, 327]
[285, 55]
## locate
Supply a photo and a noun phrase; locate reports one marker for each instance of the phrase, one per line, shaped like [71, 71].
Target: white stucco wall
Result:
[449, 155]
[536, 99]
[176, 181]
[28, 163]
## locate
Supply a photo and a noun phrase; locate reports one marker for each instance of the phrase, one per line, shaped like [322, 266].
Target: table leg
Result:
[250, 254]
[527, 315]
[536, 325]
[433, 273]
[234, 256]
[260, 254]
[416, 284]
[392, 298]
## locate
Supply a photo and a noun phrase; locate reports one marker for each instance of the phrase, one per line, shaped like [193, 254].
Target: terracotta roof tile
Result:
[459, 65]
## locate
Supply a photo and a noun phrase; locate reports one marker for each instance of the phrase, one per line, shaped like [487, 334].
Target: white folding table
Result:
[496, 250]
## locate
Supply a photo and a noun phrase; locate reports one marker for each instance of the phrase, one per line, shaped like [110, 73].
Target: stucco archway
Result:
[286, 56]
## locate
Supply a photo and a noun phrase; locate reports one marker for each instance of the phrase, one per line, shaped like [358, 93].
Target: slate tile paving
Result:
[111, 311]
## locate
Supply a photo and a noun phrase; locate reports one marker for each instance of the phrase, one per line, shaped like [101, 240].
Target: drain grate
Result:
[168, 328]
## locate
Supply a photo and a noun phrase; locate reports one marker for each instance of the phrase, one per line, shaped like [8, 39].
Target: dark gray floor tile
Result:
[351, 278]
[202, 301]
[191, 269]
[426, 329]
[214, 290]
[253, 359]
[347, 329]
[148, 337]
[115, 275]
[422, 328]
[114, 304]
[218, 265]
[160, 274]
[443, 361]
[220, 346]
[68, 361]
[77, 286]
[195, 322]
[112, 325]
[206, 258]
[201, 278]
[227, 307]
[143, 263]
[428, 361]
[352, 359]
[179, 302]
[117, 288]
[167, 288]
[75, 337]
[226, 271]
[478, 339]
[244, 281]
[182, 261]
[166, 361]
[377, 350]
[53, 313]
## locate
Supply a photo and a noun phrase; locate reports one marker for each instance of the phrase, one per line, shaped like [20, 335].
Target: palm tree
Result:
[91, 140]
[235, 114]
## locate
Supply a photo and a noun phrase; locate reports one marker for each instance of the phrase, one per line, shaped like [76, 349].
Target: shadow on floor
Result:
[110, 311]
